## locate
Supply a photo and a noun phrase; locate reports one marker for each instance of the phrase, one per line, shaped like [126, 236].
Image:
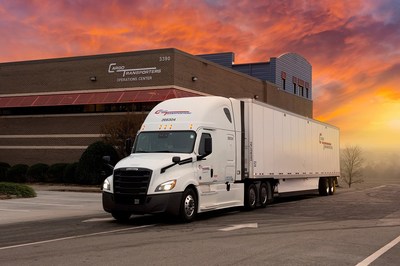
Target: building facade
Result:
[291, 72]
[51, 110]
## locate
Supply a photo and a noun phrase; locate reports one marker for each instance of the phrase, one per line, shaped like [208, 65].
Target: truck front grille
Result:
[130, 185]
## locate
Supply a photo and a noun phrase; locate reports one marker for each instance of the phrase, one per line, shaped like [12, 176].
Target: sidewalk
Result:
[52, 202]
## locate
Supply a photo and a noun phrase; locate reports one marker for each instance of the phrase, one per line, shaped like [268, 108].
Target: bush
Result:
[91, 163]
[3, 171]
[37, 173]
[17, 190]
[70, 173]
[55, 174]
[17, 173]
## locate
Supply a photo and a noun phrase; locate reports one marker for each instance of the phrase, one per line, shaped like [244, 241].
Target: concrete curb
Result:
[65, 188]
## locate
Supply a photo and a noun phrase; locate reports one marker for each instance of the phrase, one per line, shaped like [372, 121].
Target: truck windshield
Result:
[165, 142]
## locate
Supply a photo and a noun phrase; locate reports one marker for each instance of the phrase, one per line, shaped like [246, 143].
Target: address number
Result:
[165, 58]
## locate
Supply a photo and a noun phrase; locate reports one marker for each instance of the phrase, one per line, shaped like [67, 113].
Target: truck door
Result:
[230, 159]
[206, 165]
[219, 166]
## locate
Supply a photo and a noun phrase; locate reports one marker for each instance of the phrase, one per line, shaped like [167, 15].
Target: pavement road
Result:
[353, 227]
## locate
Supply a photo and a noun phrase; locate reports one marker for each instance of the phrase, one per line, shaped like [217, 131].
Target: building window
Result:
[283, 76]
[301, 89]
[294, 88]
[307, 92]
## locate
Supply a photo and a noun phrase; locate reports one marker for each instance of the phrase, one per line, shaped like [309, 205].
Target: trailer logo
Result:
[133, 74]
[166, 112]
[326, 145]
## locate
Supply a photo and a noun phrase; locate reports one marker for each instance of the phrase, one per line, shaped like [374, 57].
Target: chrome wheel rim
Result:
[252, 197]
[189, 205]
[264, 195]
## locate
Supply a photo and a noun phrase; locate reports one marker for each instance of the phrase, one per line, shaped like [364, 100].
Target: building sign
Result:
[132, 74]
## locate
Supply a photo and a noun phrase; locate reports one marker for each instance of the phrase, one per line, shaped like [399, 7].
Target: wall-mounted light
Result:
[93, 78]
[256, 96]
[194, 78]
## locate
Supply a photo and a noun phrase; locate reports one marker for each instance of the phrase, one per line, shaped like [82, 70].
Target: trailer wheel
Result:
[251, 197]
[188, 208]
[265, 194]
[121, 217]
[323, 186]
[332, 185]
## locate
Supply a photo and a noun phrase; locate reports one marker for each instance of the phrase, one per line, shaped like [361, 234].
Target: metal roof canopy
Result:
[134, 96]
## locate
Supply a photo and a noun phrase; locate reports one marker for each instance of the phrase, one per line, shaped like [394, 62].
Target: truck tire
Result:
[250, 197]
[188, 209]
[121, 217]
[323, 186]
[265, 194]
[332, 185]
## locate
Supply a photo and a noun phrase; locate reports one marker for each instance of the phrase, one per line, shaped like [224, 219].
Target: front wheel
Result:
[188, 208]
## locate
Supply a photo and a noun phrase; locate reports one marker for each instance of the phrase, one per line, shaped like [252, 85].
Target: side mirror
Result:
[176, 159]
[128, 146]
[106, 159]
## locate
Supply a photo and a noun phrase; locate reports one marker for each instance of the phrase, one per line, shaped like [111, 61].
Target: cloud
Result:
[353, 46]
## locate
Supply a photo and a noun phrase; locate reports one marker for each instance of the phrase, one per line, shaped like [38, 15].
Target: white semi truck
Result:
[199, 154]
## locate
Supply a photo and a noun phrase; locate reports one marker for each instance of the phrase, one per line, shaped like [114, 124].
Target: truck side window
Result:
[203, 149]
[228, 114]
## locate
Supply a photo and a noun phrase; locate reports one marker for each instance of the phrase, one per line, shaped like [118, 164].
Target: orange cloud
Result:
[353, 46]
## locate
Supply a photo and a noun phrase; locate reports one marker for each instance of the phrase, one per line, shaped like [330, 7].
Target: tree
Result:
[116, 132]
[91, 165]
[351, 162]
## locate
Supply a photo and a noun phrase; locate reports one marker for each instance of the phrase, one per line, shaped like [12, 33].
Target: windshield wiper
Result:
[176, 160]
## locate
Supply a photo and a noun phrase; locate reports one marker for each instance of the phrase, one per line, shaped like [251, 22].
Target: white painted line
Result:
[98, 220]
[378, 253]
[239, 226]
[75, 237]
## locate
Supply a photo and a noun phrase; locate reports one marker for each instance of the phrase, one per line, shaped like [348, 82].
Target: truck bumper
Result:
[163, 203]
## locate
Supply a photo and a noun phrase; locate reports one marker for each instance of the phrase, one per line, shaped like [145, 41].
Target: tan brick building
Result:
[51, 110]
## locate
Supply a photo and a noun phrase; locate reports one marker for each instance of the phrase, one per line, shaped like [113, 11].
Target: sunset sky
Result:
[353, 46]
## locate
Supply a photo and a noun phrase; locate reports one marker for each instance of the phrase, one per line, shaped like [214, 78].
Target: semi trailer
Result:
[199, 154]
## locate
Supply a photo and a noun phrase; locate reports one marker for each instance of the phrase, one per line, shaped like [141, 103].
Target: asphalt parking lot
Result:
[63, 228]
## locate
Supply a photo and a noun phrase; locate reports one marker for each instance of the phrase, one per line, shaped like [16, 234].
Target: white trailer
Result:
[205, 153]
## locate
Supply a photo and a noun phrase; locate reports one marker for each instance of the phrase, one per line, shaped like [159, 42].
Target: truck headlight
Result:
[166, 186]
[106, 185]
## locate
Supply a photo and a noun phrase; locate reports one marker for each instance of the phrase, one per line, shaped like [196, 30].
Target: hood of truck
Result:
[151, 161]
